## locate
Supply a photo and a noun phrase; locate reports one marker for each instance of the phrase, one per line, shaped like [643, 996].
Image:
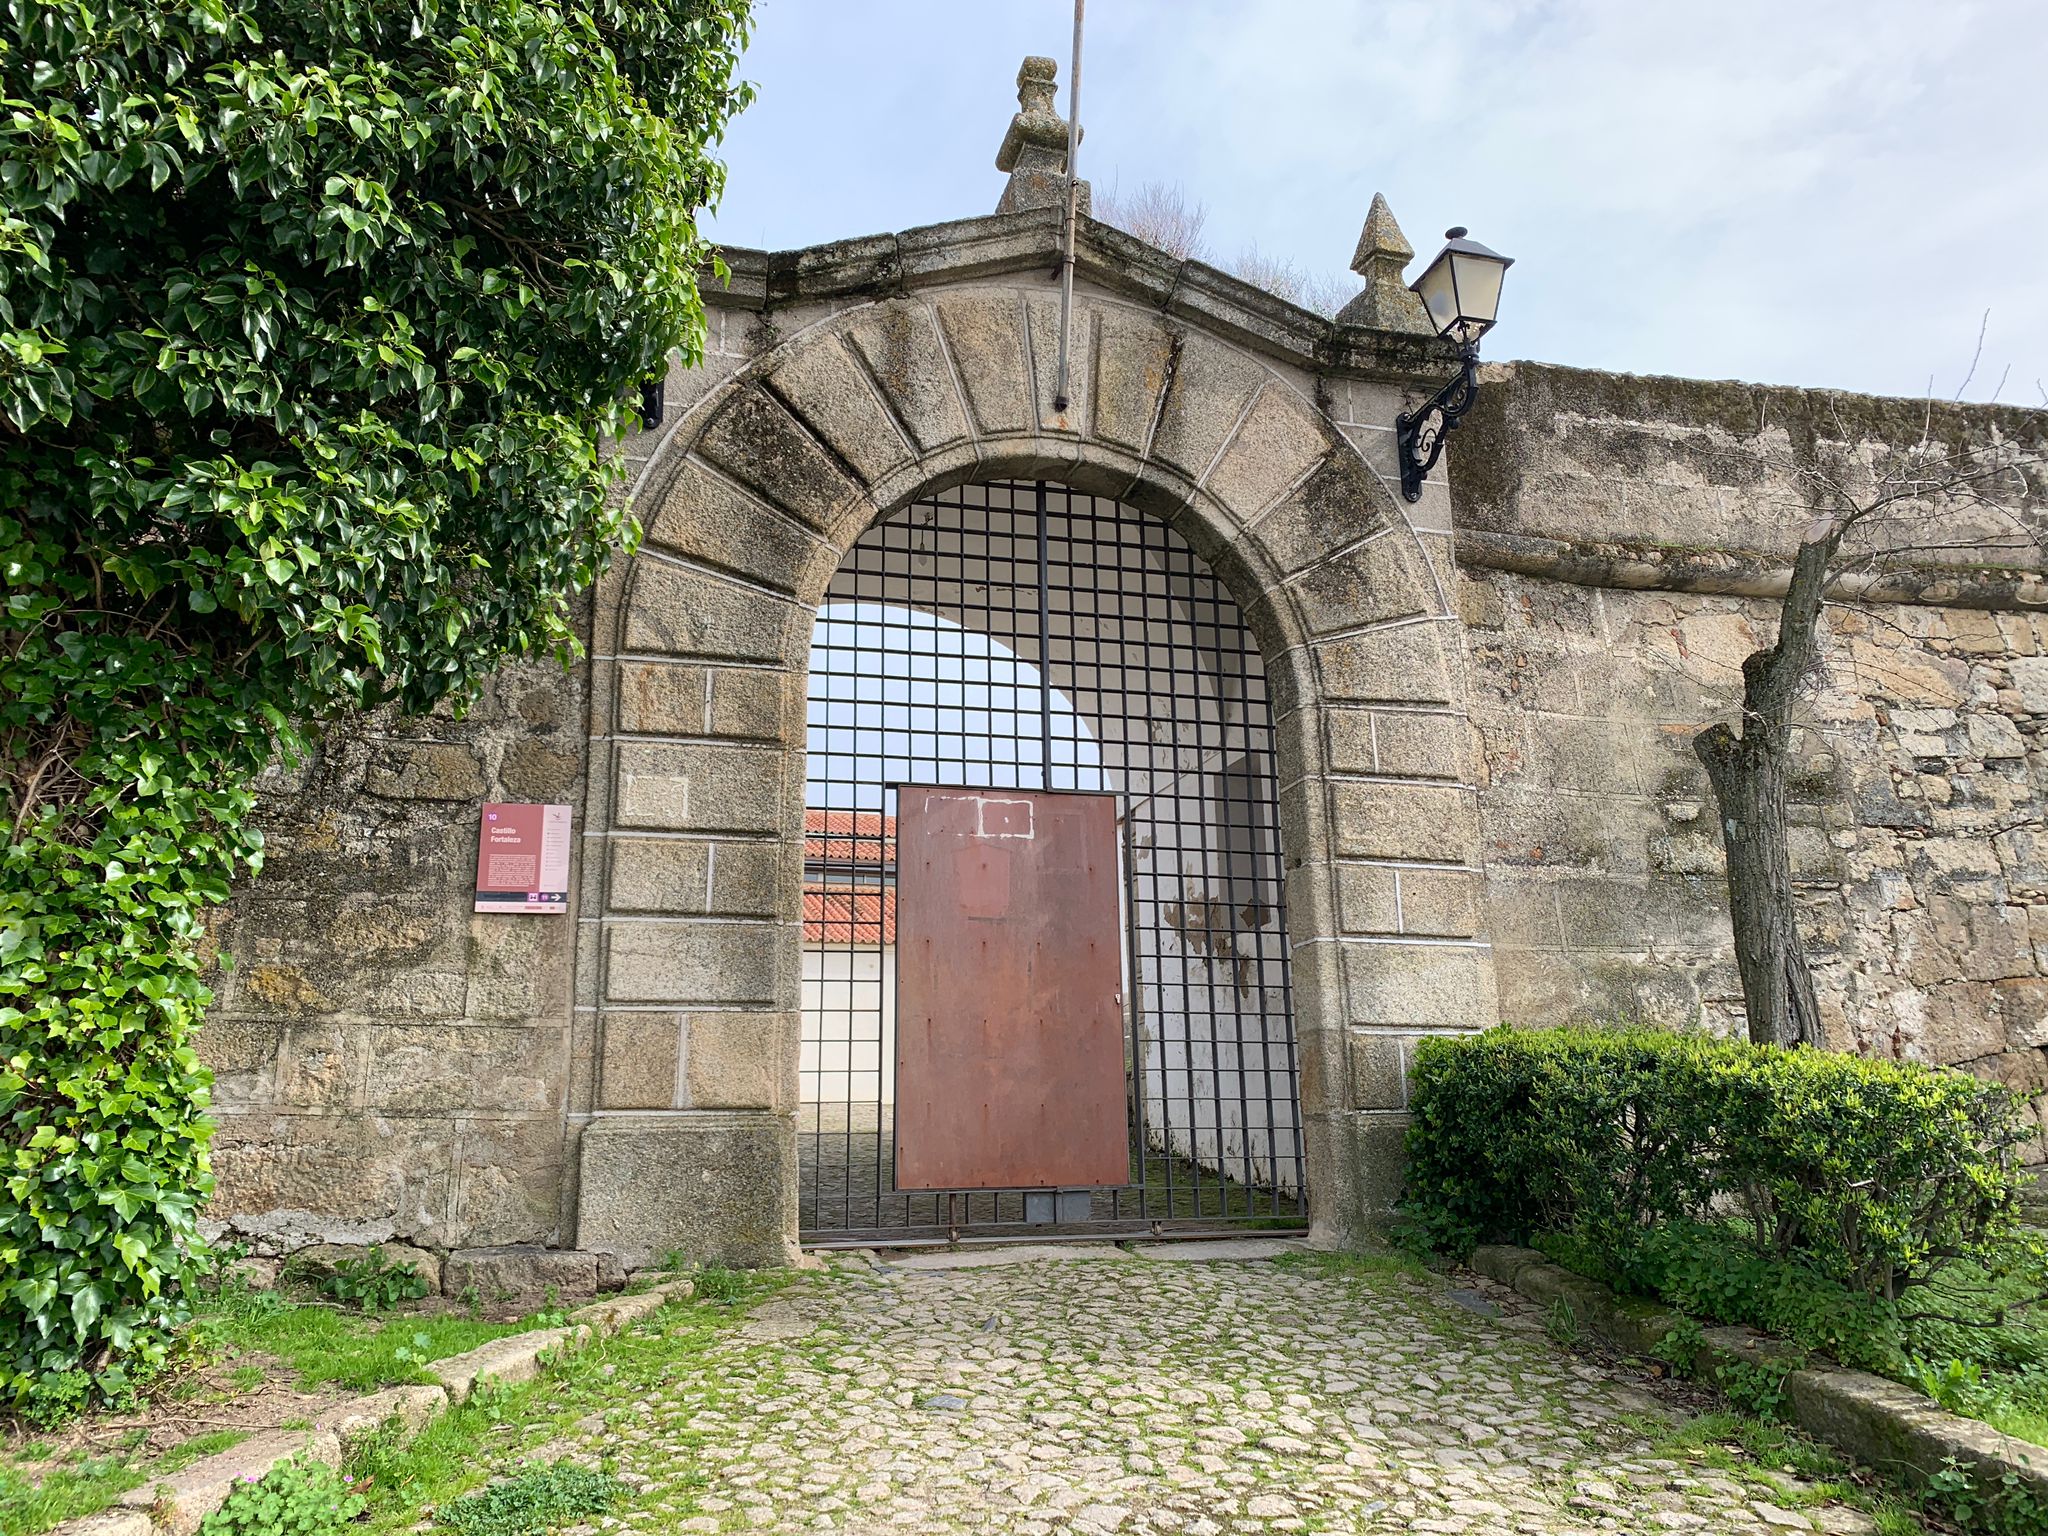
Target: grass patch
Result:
[1384, 1262]
[533, 1499]
[1750, 1449]
[35, 1497]
[61, 1493]
[455, 1454]
[323, 1345]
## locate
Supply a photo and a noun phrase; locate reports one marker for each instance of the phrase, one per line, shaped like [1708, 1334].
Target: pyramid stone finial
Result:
[1034, 151]
[1382, 257]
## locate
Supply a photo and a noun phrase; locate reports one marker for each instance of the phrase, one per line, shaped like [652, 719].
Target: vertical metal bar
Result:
[1044, 652]
[1134, 1012]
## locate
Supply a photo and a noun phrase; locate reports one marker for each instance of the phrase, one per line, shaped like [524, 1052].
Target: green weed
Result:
[534, 1499]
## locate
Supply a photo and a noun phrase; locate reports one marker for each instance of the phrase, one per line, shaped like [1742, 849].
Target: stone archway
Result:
[688, 1007]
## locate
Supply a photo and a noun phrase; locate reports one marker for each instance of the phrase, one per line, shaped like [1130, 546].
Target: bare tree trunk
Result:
[1748, 772]
[1748, 776]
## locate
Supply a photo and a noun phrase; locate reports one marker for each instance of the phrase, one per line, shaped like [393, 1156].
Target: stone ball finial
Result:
[1382, 257]
[1036, 78]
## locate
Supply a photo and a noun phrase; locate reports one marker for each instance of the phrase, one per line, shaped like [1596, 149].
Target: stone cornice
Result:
[1740, 572]
[967, 250]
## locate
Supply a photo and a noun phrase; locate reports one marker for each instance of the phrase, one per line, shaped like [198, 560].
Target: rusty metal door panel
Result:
[1009, 991]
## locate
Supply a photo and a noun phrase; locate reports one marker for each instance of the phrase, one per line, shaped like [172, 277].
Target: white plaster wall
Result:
[849, 1038]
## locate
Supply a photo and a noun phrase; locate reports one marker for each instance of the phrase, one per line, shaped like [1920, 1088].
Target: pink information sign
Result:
[522, 858]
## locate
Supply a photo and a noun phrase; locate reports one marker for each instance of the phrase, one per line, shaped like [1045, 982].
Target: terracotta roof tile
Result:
[849, 837]
[849, 914]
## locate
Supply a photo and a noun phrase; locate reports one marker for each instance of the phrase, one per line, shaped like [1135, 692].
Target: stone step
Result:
[504, 1362]
[413, 1407]
[178, 1502]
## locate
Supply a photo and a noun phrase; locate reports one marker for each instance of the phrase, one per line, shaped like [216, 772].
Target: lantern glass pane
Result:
[1477, 286]
[1439, 294]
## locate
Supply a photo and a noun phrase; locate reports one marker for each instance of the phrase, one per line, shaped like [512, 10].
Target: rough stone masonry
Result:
[1484, 704]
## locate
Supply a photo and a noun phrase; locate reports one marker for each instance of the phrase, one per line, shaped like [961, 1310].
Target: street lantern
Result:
[1461, 288]
[1461, 291]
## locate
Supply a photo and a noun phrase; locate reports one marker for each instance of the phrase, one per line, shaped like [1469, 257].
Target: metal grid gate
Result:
[1025, 636]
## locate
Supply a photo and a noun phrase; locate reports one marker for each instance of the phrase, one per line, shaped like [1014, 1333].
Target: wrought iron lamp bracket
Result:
[1419, 434]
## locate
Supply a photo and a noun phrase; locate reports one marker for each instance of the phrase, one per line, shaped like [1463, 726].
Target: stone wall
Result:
[1539, 640]
[387, 1064]
[1918, 845]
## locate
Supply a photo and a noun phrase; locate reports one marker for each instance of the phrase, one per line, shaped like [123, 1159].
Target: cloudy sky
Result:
[1824, 192]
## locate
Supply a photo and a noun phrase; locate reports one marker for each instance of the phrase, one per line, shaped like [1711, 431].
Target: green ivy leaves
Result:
[313, 320]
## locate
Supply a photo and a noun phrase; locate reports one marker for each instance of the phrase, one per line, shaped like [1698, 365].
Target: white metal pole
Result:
[1059, 390]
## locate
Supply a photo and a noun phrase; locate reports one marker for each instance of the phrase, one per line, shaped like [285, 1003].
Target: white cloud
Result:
[1808, 191]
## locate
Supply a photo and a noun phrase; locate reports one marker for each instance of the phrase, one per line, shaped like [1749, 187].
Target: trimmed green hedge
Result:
[1875, 1175]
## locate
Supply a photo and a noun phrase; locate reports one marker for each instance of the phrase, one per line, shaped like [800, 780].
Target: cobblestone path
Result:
[1134, 1395]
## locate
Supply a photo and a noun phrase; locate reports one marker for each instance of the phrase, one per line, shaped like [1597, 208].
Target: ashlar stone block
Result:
[823, 386]
[1378, 581]
[639, 1060]
[702, 963]
[711, 521]
[743, 1060]
[1211, 385]
[1341, 503]
[1133, 353]
[1379, 1071]
[754, 439]
[1280, 440]
[1402, 664]
[1440, 903]
[1433, 986]
[669, 875]
[719, 1186]
[1403, 821]
[1423, 746]
[1043, 316]
[671, 699]
[1368, 898]
[676, 611]
[676, 787]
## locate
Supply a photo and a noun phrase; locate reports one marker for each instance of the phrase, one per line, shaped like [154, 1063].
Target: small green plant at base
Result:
[719, 1286]
[373, 1284]
[1680, 1347]
[418, 1352]
[1958, 1385]
[2007, 1507]
[57, 1399]
[536, 1498]
[1563, 1325]
[294, 1498]
[1755, 1389]
[488, 1398]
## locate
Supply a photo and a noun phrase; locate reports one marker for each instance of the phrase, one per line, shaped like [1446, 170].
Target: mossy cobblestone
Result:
[1112, 1394]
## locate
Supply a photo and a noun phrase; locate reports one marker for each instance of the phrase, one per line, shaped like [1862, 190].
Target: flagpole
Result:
[1059, 392]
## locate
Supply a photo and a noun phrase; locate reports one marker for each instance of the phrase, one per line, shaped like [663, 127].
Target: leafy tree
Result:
[313, 319]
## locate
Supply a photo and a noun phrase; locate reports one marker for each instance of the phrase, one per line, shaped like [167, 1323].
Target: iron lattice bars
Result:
[1025, 636]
